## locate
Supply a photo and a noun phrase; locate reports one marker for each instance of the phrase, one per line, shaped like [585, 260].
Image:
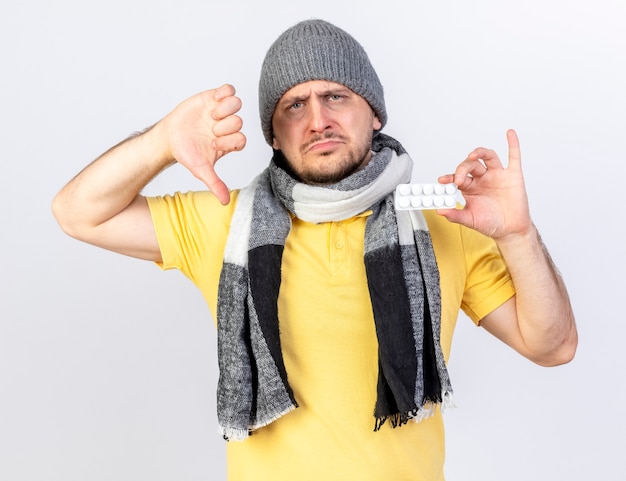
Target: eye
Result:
[296, 106]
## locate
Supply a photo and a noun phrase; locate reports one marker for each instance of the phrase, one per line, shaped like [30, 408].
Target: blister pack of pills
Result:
[427, 196]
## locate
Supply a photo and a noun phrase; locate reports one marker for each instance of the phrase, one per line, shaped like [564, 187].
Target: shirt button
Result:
[339, 245]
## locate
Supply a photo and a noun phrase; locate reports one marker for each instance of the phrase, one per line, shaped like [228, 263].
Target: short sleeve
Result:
[488, 283]
[192, 229]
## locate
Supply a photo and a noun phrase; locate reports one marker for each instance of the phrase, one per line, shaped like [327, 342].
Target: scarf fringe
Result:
[236, 434]
[233, 434]
[416, 415]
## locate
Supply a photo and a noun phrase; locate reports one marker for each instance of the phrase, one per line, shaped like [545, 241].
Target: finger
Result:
[230, 143]
[515, 155]
[458, 216]
[467, 170]
[207, 174]
[228, 125]
[225, 90]
[487, 156]
[225, 107]
[446, 179]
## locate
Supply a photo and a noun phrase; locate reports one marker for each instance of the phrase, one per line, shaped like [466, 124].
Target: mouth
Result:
[323, 144]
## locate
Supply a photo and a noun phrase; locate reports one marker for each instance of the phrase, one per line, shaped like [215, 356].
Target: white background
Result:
[107, 365]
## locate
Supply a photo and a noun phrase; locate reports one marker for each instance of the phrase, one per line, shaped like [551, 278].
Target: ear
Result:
[377, 124]
[275, 144]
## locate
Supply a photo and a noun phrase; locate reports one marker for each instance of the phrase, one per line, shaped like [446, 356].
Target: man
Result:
[335, 312]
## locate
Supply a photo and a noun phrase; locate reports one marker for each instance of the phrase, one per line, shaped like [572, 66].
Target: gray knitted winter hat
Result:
[316, 50]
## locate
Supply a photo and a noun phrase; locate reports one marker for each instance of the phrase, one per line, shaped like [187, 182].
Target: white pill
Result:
[450, 189]
[416, 202]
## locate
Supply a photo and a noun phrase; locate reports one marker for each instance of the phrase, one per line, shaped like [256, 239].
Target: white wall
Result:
[107, 365]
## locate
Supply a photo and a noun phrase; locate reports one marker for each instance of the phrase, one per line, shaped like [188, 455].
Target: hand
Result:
[203, 129]
[496, 200]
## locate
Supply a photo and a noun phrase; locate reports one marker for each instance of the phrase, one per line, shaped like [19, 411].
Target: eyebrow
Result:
[293, 99]
[299, 98]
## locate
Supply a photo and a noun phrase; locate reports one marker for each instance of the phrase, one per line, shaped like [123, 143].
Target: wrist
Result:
[519, 239]
[156, 145]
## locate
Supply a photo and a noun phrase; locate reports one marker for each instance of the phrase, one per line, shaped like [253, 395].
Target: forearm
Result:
[544, 314]
[109, 185]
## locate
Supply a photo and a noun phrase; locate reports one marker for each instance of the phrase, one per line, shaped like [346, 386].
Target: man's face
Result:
[324, 131]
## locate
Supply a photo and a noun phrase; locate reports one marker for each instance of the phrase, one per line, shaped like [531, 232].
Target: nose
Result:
[319, 116]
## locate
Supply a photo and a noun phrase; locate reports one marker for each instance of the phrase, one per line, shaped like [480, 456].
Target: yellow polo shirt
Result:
[329, 341]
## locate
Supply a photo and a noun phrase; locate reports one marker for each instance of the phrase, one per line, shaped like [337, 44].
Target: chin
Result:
[327, 178]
